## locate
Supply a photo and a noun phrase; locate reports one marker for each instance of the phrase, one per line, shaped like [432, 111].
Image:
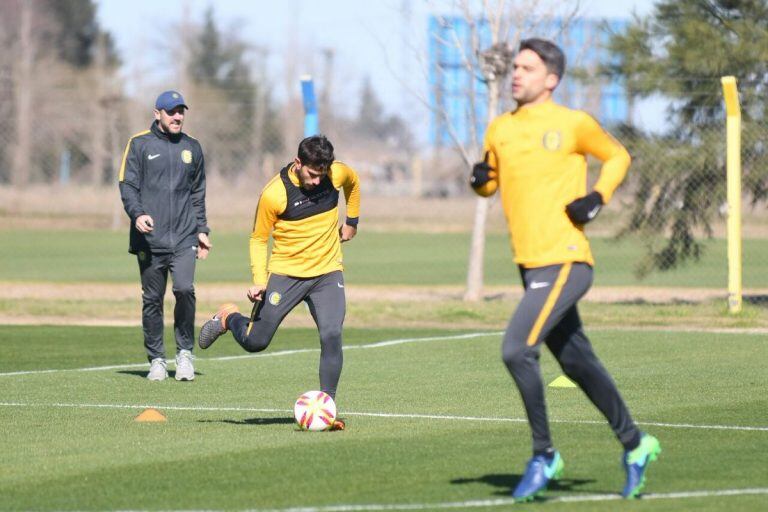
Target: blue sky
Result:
[369, 39]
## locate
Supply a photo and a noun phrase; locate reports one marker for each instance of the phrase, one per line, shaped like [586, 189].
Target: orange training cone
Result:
[150, 415]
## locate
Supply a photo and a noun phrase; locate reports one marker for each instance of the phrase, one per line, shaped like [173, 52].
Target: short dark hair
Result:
[316, 151]
[549, 52]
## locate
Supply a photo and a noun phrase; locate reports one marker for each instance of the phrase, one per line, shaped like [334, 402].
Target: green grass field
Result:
[432, 424]
[372, 258]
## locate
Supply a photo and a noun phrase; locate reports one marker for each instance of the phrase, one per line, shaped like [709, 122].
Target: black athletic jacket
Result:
[164, 177]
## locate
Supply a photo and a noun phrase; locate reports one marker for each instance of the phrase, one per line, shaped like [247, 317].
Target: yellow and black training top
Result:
[539, 154]
[303, 224]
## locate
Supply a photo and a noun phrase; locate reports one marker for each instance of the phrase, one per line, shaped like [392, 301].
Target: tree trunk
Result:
[260, 111]
[98, 123]
[23, 80]
[474, 291]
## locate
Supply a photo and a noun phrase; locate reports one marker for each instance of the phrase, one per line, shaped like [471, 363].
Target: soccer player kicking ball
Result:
[299, 209]
[536, 157]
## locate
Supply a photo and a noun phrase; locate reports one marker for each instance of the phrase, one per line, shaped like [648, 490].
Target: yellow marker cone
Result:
[562, 382]
[150, 415]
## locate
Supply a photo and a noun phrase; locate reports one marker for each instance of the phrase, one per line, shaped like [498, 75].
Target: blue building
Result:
[453, 87]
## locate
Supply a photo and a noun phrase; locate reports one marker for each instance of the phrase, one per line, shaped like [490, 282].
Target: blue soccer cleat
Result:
[636, 462]
[539, 471]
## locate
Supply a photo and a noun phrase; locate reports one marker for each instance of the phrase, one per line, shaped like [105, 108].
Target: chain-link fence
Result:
[77, 141]
[669, 215]
[67, 107]
[65, 117]
[673, 205]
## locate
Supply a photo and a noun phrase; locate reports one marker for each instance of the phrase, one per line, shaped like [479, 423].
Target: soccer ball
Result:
[314, 410]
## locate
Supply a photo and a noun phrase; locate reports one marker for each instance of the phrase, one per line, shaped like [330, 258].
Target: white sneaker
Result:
[157, 369]
[184, 368]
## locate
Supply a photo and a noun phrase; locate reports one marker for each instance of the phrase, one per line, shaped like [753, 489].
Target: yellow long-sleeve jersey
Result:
[303, 224]
[539, 155]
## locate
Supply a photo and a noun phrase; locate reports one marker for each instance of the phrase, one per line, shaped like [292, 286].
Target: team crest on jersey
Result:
[142, 256]
[275, 298]
[186, 156]
[552, 140]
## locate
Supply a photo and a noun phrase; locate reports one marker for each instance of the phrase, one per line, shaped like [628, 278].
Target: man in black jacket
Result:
[162, 185]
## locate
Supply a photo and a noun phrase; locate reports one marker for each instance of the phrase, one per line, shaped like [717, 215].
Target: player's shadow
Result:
[143, 373]
[646, 302]
[253, 421]
[756, 300]
[506, 483]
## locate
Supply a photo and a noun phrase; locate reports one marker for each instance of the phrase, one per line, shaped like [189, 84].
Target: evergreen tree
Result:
[208, 58]
[219, 66]
[75, 33]
[680, 52]
[374, 123]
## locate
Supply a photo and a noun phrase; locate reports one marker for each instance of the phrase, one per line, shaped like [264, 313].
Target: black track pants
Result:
[154, 268]
[327, 303]
[547, 312]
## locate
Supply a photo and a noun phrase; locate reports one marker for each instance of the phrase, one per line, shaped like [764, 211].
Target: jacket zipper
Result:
[170, 196]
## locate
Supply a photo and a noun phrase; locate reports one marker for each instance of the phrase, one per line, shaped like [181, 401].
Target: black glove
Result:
[585, 209]
[480, 173]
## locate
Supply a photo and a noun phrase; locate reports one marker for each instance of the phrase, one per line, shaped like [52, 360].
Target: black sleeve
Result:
[130, 181]
[198, 194]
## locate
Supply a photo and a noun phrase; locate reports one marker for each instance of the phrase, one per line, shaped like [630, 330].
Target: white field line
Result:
[278, 353]
[445, 417]
[504, 502]
[378, 344]
[748, 331]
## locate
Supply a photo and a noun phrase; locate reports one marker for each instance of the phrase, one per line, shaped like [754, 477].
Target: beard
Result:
[171, 128]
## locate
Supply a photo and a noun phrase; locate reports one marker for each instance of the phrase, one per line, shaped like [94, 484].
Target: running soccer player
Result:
[298, 208]
[535, 157]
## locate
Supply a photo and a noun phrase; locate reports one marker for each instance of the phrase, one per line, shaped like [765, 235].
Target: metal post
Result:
[733, 170]
[311, 121]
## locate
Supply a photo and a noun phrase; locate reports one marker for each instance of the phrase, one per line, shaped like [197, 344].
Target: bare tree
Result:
[261, 55]
[99, 129]
[495, 29]
[26, 48]
[48, 71]
[495, 63]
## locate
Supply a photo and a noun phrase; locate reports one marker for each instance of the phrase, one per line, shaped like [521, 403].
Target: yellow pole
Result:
[733, 169]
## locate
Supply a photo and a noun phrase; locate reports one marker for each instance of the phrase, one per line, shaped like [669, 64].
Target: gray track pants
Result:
[548, 312]
[154, 268]
[327, 303]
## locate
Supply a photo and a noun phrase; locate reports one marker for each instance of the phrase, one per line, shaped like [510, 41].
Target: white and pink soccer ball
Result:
[314, 410]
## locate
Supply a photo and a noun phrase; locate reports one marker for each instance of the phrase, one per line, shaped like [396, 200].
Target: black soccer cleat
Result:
[216, 326]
